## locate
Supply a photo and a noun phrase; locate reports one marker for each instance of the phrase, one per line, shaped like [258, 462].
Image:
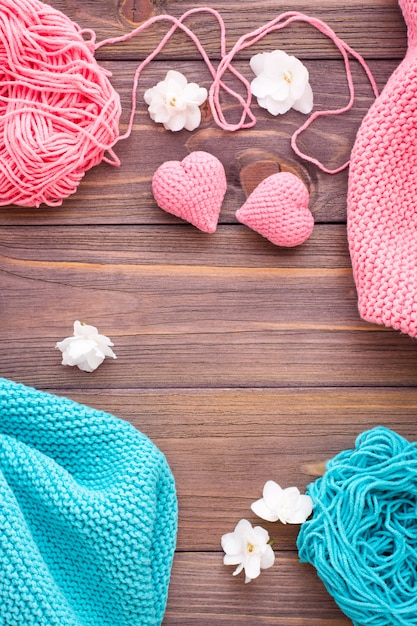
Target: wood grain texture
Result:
[242, 361]
[111, 195]
[203, 591]
[199, 319]
[374, 29]
[224, 444]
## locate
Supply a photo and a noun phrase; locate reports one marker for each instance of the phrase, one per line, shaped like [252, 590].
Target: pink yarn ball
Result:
[59, 113]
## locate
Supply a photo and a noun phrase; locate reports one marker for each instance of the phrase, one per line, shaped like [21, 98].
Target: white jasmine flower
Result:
[175, 103]
[281, 83]
[248, 548]
[87, 349]
[286, 505]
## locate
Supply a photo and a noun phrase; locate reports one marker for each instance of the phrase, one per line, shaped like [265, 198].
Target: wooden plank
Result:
[109, 195]
[232, 358]
[203, 591]
[184, 324]
[188, 413]
[242, 361]
[233, 246]
[110, 18]
[223, 445]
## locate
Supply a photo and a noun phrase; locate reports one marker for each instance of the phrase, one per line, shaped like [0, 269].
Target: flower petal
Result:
[176, 77]
[268, 558]
[272, 493]
[158, 98]
[302, 511]
[83, 330]
[275, 107]
[107, 351]
[261, 86]
[281, 82]
[257, 63]
[299, 81]
[238, 569]
[253, 566]
[195, 94]
[173, 102]
[193, 118]
[305, 103]
[243, 525]
[176, 122]
[281, 92]
[263, 511]
[233, 559]
[86, 349]
[148, 95]
[91, 362]
[290, 495]
[275, 63]
[79, 347]
[231, 543]
[160, 115]
[261, 535]
[85, 366]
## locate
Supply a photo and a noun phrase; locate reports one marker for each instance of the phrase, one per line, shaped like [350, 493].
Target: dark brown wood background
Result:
[242, 361]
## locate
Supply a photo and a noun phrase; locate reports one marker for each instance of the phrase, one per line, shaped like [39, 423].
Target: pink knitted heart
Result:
[278, 210]
[192, 189]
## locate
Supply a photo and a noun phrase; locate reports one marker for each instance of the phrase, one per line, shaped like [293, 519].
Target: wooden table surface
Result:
[241, 360]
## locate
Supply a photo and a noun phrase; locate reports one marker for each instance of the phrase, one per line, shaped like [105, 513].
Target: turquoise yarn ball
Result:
[88, 516]
[362, 537]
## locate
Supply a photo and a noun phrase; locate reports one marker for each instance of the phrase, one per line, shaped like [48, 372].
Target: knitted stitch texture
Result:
[88, 516]
[278, 210]
[192, 189]
[382, 196]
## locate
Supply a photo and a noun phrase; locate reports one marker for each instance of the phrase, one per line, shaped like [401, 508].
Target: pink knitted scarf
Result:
[382, 197]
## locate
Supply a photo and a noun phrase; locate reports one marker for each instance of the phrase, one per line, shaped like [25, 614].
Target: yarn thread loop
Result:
[362, 538]
[59, 114]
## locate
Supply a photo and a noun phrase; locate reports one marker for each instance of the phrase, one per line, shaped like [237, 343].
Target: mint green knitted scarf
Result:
[88, 516]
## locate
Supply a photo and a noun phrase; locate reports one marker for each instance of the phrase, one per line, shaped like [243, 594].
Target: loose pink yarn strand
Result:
[247, 118]
[253, 37]
[59, 114]
[177, 23]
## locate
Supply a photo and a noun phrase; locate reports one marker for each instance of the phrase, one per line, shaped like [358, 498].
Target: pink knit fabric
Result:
[382, 198]
[278, 210]
[192, 189]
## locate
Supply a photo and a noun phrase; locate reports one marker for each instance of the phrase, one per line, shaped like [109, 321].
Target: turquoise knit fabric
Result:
[88, 516]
